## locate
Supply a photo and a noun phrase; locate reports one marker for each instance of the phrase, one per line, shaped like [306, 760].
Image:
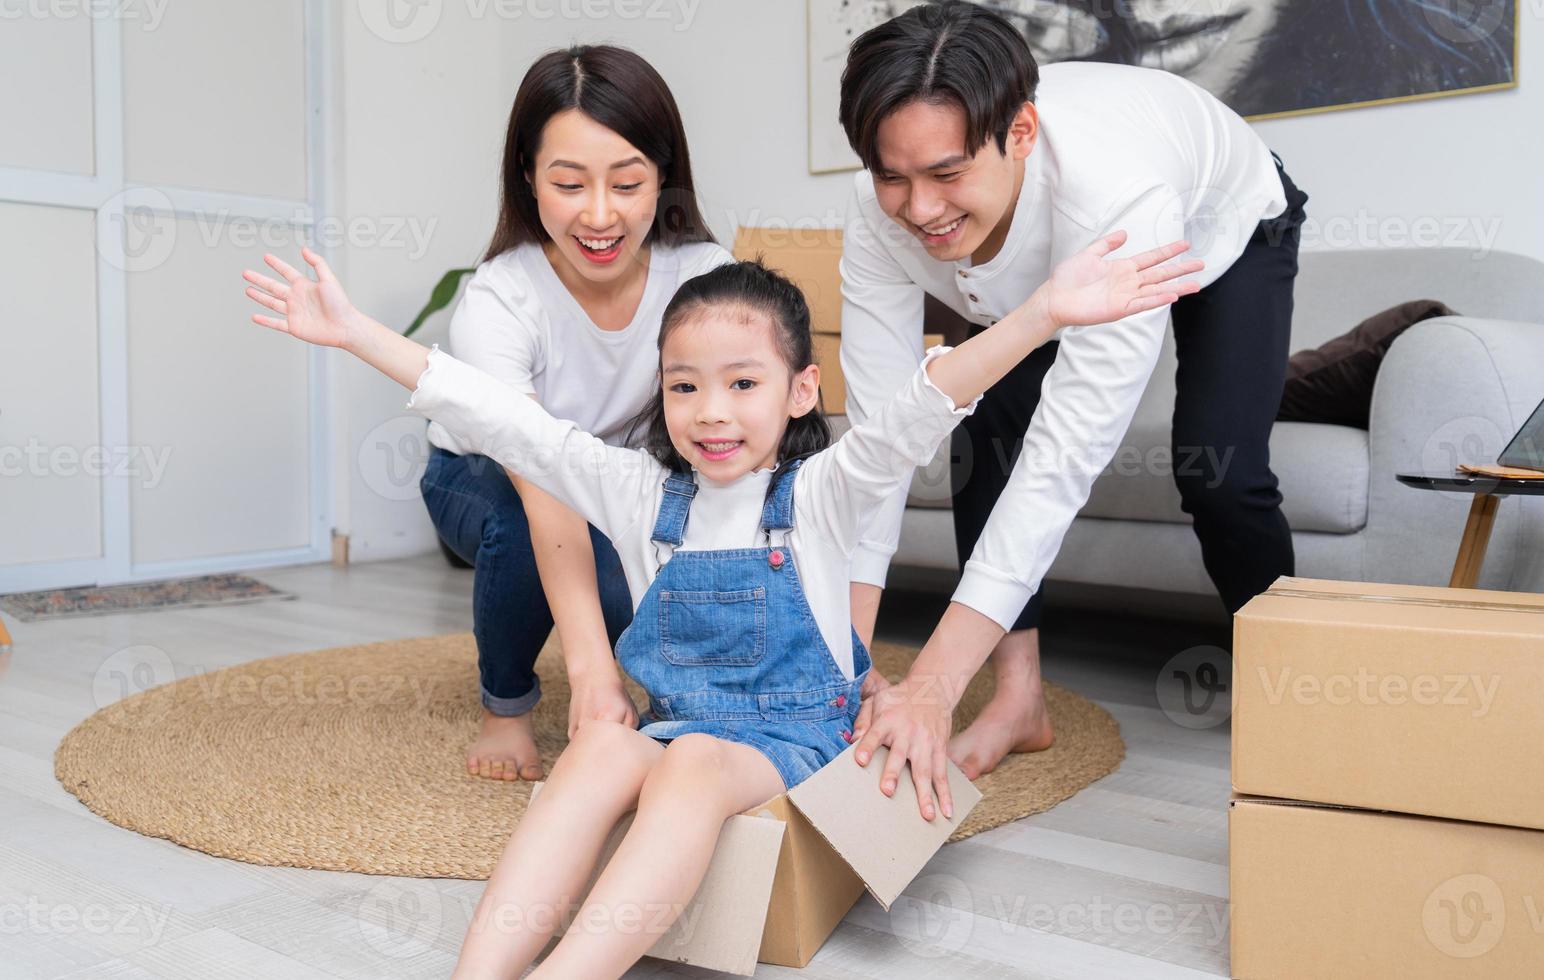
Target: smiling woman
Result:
[597, 226]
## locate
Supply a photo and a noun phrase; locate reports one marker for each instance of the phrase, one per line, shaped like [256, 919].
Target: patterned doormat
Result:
[205, 590]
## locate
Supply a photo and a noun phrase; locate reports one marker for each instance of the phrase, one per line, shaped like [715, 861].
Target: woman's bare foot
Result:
[505, 749]
[1015, 720]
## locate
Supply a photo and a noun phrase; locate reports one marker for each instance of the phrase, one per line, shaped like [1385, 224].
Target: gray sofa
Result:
[1452, 389]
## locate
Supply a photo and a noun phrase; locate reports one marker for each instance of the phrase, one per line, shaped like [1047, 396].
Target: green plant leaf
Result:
[444, 292]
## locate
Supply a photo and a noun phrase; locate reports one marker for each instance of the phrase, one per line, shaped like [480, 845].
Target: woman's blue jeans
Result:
[479, 515]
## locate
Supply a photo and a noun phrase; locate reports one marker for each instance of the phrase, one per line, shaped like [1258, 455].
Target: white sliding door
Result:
[147, 428]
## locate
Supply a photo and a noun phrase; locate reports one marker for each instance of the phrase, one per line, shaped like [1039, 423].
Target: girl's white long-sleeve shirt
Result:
[618, 489]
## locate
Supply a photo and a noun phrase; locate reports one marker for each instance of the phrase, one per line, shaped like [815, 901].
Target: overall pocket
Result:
[713, 629]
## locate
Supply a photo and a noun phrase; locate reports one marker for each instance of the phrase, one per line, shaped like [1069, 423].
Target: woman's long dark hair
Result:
[621, 91]
[753, 287]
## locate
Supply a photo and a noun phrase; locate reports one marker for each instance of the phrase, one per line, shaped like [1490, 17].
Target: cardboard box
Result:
[833, 384]
[808, 256]
[1322, 891]
[1392, 697]
[785, 873]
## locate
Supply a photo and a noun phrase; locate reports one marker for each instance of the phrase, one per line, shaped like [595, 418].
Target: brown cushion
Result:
[1333, 383]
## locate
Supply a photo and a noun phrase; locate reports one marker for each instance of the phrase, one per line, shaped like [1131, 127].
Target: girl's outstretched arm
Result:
[319, 312]
[1085, 289]
[609, 486]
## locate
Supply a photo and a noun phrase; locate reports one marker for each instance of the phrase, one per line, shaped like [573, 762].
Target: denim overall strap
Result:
[675, 506]
[725, 643]
[777, 514]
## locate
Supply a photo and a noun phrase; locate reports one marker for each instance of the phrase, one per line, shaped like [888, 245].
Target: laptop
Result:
[1523, 457]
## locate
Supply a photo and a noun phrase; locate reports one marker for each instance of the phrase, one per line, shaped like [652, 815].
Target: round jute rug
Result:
[353, 759]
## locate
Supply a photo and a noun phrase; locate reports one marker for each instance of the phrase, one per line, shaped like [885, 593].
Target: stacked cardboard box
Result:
[811, 257]
[1388, 771]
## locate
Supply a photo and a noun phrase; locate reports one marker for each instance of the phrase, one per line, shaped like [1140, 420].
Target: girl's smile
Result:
[722, 373]
[719, 451]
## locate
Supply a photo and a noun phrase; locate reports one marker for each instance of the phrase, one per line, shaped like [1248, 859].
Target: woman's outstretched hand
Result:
[1089, 288]
[316, 311]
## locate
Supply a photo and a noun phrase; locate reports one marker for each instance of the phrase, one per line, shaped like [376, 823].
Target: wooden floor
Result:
[1126, 879]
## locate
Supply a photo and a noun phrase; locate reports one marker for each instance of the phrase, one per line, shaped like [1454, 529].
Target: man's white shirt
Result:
[1119, 147]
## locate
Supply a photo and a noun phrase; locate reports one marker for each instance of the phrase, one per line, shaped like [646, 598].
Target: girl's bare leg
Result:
[699, 783]
[552, 853]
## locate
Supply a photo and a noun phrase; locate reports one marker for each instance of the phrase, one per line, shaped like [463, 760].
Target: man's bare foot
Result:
[1015, 720]
[504, 749]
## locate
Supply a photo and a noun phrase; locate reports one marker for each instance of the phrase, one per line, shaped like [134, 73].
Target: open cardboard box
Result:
[1392, 697]
[811, 257]
[785, 873]
[1327, 891]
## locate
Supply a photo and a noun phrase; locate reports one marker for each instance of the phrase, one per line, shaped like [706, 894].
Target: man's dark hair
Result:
[946, 53]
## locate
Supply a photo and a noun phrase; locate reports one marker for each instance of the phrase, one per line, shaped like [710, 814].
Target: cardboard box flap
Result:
[720, 928]
[1416, 595]
[1366, 604]
[1241, 800]
[882, 838]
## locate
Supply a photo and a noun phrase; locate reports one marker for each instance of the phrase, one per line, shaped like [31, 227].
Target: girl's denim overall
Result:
[725, 643]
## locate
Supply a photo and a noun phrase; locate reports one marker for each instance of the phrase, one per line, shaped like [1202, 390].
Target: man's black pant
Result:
[1231, 341]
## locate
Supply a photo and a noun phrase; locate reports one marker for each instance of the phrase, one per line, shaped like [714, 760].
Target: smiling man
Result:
[982, 174]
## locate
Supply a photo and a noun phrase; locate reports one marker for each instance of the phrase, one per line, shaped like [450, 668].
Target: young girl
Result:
[597, 227]
[734, 525]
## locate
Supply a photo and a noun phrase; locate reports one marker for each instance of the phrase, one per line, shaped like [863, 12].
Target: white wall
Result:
[421, 127]
[147, 430]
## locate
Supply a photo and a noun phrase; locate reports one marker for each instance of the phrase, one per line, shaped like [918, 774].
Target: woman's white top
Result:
[518, 322]
[1119, 148]
[619, 489]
